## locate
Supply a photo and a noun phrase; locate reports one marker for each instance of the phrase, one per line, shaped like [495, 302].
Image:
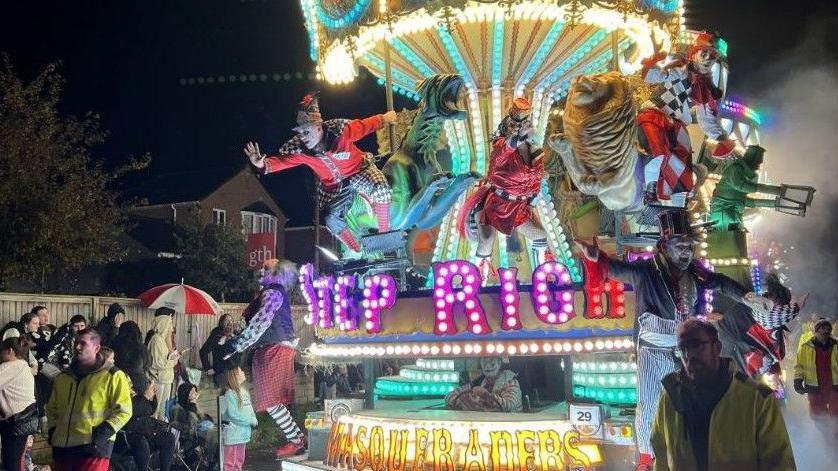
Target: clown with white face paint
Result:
[683, 85]
[328, 148]
[270, 331]
[495, 390]
[668, 289]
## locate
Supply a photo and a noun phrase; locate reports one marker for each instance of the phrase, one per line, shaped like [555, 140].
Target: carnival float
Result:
[536, 125]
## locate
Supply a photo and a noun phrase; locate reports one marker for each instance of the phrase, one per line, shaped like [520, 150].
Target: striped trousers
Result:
[652, 365]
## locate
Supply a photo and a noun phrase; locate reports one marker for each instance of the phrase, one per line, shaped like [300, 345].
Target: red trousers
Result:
[823, 404]
[667, 137]
[78, 463]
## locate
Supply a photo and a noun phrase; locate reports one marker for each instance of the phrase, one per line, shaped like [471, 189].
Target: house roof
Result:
[182, 186]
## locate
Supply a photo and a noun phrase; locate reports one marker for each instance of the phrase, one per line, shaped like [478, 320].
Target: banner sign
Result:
[260, 247]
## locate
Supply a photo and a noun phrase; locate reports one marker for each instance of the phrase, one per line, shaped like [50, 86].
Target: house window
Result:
[254, 223]
[219, 217]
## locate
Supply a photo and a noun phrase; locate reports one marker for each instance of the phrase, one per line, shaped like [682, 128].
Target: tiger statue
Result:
[599, 144]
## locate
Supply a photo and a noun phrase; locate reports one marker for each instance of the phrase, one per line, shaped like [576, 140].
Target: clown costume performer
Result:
[681, 86]
[343, 170]
[270, 332]
[503, 200]
[668, 289]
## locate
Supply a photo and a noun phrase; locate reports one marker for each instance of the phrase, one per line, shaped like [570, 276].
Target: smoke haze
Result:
[801, 144]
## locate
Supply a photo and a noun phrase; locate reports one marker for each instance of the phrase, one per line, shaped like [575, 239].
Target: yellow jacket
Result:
[747, 431]
[79, 406]
[162, 368]
[805, 367]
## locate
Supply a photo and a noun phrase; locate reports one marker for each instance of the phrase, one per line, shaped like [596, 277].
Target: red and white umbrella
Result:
[180, 297]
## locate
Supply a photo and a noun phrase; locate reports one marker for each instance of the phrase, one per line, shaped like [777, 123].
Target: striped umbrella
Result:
[180, 297]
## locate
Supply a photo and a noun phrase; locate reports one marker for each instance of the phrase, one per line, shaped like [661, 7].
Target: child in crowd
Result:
[108, 355]
[197, 430]
[238, 417]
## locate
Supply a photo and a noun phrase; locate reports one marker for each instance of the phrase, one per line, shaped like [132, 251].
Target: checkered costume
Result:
[343, 170]
[663, 120]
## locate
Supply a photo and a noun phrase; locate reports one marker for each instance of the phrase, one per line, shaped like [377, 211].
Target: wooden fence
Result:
[191, 331]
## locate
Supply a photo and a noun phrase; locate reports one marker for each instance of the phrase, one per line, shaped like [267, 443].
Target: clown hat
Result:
[520, 109]
[710, 41]
[674, 223]
[309, 112]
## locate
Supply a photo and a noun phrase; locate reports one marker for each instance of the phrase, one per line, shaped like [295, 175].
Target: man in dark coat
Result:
[669, 288]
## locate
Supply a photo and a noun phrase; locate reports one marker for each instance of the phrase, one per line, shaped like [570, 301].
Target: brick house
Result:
[237, 200]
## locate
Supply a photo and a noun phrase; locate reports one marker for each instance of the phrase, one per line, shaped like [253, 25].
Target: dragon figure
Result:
[423, 188]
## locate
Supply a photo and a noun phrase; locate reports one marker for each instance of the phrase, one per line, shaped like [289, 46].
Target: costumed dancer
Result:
[270, 331]
[757, 345]
[668, 289]
[663, 119]
[343, 170]
[502, 200]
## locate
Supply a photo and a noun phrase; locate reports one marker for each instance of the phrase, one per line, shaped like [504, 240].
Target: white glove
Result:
[257, 158]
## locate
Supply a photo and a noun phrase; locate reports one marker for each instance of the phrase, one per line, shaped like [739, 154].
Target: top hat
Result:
[674, 223]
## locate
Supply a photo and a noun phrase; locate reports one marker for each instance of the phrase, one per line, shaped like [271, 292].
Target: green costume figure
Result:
[730, 198]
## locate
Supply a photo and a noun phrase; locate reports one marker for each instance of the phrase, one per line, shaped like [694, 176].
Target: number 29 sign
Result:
[586, 419]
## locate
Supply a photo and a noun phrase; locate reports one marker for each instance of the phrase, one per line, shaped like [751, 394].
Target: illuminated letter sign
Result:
[457, 282]
[552, 294]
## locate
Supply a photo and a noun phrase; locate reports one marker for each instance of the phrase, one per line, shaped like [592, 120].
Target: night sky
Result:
[144, 68]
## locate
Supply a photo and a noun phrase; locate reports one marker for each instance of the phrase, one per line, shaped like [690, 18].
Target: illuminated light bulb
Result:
[455, 349]
[440, 303]
[534, 347]
[389, 349]
[415, 350]
[599, 344]
[477, 349]
[563, 317]
[510, 310]
[499, 348]
[439, 292]
[443, 326]
[566, 296]
[524, 349]
[577, 347]
[512, 350]
[544, 310]
[551, 317]
[547, 347]
[446, 348]
[449, 298]
[567, 346]
[434, 350]
[490, 348]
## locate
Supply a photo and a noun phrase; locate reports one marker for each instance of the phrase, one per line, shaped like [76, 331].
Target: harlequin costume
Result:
[343, 170]
[663, 299]
[663, 118]
[270, 331]
[503, 199]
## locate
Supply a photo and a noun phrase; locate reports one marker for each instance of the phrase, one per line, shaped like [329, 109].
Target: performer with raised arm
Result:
[683, 85]
[502, 201]
[270, 331]
[343, 170]
[668, 289]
